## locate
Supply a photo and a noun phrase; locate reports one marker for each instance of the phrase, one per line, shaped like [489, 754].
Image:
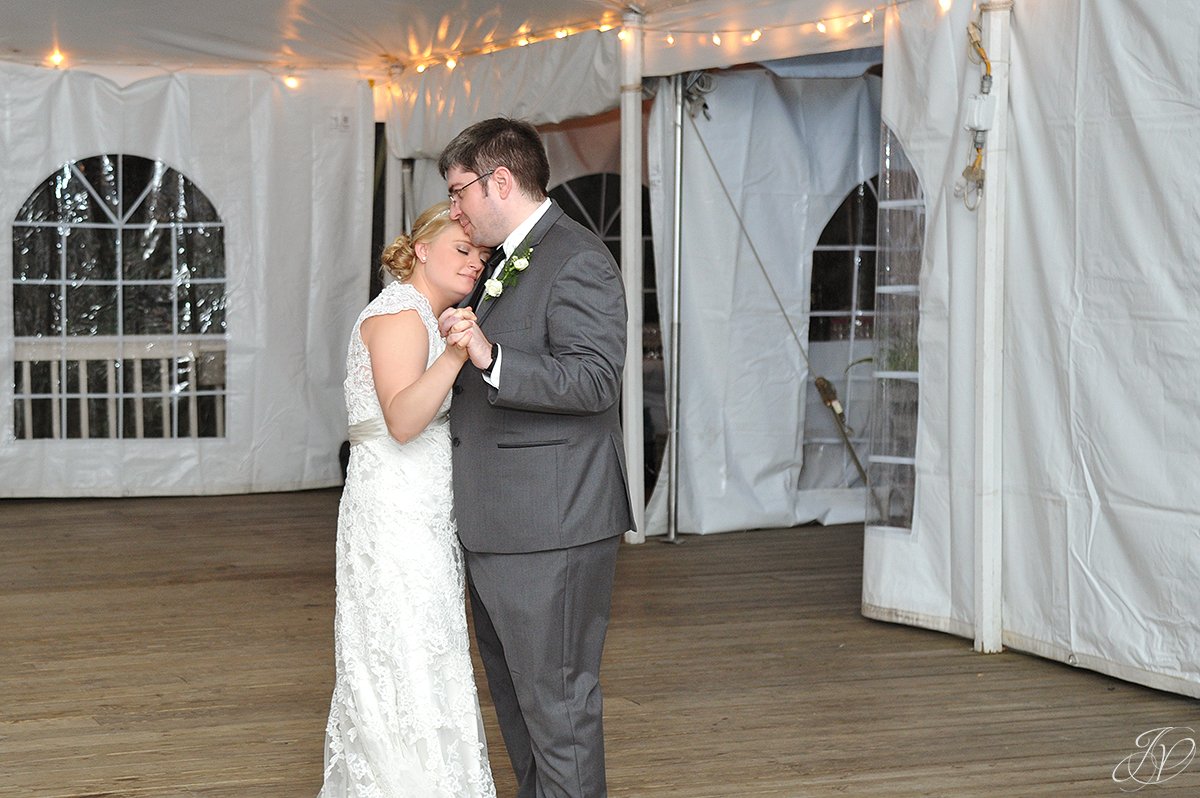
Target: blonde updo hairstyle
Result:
[399, 256]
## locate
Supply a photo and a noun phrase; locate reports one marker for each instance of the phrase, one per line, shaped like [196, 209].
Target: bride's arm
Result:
[409, 394]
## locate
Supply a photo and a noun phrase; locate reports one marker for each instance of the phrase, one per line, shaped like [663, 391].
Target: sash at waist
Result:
[368, 430]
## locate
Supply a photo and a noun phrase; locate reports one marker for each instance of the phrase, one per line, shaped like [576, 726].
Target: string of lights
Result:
[715, 35]
[712, 35]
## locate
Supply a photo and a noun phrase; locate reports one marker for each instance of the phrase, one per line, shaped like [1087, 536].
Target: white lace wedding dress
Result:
[404, 719]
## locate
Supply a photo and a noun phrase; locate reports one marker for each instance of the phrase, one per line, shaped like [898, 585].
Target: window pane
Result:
[39, 376]
[101, 174]
[62, 198]
[896, 321]
[97, 375]
[74, 426]
[840, 230]
[152, 418]
[74, 203]
[142, 376]
[197, 205]
[137, 174]
[210, 370]
[169, 198]
[202, 252]
[91, 253]
[209, 409]
[206, 408]
[832, 273]
[868, 210]
[184, 373]
[900, 260]
[147, 310]
[202, 309]
[896, 428]
[91, 310]
[40, 206]
[41, 419]
[146, 253]
[37, 310]
[36, 253]
[829, 328]
[892, 495]
[72, 377]
[866, 280]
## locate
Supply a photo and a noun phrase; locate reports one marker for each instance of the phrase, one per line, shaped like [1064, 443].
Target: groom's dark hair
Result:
[512, 143]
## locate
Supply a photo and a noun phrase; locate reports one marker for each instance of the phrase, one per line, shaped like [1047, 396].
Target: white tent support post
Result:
[676, 269]
[989, 345]
[631, 267]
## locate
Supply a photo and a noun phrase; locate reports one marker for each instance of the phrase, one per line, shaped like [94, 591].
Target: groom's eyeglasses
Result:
[456, 193]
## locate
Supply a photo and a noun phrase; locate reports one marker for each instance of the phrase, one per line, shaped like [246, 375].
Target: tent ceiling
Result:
[375, 36]
[368, 35]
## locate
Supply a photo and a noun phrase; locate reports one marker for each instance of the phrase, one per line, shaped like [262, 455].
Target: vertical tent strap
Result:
[676, 269]
[632, 400]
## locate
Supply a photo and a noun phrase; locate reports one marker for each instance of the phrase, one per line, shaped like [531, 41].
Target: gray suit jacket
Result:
[540, 464]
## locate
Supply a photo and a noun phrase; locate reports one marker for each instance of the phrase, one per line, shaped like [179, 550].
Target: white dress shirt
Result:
[492, 377]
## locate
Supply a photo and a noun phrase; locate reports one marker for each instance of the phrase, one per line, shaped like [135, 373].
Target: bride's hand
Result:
[451, 317]
[458, 339]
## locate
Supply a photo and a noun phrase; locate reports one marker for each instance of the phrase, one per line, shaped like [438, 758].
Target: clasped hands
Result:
[461, 330]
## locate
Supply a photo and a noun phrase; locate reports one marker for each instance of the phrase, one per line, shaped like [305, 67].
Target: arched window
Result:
[118, 305]
[595, 202]
[840, 328]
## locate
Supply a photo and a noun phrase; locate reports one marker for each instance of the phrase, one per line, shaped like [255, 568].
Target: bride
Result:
[404, 719]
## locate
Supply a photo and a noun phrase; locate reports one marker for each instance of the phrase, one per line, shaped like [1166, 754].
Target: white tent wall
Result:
[743, 375]
[1100, 439]
[288, 171]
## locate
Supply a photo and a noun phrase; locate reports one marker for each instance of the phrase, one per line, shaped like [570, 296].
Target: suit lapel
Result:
[548, 220]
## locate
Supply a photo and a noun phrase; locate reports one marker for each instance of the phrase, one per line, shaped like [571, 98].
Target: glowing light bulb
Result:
[291, 81]
[420, 68]
[670, 40]
[867, 17]
[716, 39]
[57, 58]
[821, 26]
[561, 33]
[451, 62]
[605, 28]
[623, 35]
[755, 35]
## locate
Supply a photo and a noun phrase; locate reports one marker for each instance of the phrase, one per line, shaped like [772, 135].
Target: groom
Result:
[539, 465]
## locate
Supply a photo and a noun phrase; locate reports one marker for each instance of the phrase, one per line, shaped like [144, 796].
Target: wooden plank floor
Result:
[182, 647]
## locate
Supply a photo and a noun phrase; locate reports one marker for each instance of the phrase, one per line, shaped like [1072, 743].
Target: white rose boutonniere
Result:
[517, 262]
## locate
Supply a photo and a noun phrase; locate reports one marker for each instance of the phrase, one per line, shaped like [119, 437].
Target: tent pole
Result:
[631, 265]
[673, 377]
[989, 341]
